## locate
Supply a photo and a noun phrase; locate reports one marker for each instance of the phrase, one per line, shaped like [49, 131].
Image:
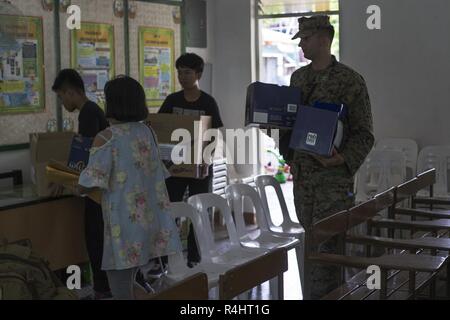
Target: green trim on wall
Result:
[126, 34]
[168, 2]
[294, 15]
[57, 40]
[183, 29]
[14, 147]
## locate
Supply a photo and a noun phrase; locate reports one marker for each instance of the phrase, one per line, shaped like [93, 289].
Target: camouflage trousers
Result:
[313, 202]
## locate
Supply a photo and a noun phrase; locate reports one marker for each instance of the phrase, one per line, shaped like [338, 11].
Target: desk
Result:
[55, 226]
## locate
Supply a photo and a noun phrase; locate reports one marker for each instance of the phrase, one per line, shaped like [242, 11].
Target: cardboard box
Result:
[272, 105]
[43, 148]
[59, 173]
[164, 125]
[189, 170]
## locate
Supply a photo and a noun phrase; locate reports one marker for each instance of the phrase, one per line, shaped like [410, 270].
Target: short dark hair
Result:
[329, 32]
[68, 78]
[190, 60]
[125, 100]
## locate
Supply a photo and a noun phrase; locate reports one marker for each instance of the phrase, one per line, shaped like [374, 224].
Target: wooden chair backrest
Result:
[341, 222]
[369, 209]
[410, 188]
[194, 287]
[328, 227]
[250, 274]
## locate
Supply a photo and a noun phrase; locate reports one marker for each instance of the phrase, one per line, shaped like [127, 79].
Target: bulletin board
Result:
[92, 54]
[21, 65]
[156, 63]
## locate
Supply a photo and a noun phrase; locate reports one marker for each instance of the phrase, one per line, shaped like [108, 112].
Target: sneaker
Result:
[156, 272]
[142, 283]
[192, 264]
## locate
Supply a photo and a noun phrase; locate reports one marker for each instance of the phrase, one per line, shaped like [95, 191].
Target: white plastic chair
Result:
[435, 157]
[177, 269]
[381, 170]
[287, 227]
[230, 251]
[262, 237]
[407, 146]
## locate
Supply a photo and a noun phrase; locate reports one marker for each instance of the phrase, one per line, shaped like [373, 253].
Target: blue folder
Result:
[314, 130]
[79, 152]
[340, 108]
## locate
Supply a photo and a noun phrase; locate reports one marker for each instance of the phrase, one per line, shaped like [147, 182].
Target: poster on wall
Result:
[92, 54]
[156, 64]
[21, 65]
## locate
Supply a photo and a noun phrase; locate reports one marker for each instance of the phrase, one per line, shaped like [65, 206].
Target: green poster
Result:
[21, 65]
[156, 63]
[92, 54]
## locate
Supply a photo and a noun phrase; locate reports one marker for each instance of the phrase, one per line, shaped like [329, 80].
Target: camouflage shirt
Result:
[338, 84]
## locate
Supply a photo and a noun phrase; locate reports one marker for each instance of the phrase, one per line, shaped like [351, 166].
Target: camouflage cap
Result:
[308, 26]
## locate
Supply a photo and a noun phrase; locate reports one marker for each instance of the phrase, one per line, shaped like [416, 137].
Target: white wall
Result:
[207, 53]
[232, 71]
[406, 65]
[229, 45]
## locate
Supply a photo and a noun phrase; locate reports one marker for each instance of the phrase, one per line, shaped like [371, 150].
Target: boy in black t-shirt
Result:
[190, 101]
[69, 87]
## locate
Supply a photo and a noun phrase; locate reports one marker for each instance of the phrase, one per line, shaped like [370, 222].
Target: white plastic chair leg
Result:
[280, 281]
[243, 295]
[213, 293]
[300, 254]
[277, 288]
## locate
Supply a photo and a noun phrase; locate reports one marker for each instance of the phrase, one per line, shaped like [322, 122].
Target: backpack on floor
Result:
[26, 276]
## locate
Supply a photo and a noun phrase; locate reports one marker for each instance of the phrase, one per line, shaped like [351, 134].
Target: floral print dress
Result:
[135, 203]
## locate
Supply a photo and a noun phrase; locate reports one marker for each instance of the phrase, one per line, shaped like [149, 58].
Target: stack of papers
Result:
[59, 173]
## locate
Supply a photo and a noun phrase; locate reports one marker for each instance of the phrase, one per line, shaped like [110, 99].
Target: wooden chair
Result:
[339, 224]
[425, 235]
[253, 273]
[409, 190]
[414, 245]
[431, 200]
[437, 220]
[194, 287]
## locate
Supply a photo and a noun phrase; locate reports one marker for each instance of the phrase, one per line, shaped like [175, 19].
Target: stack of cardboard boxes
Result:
[50, 151]
[194, 127]
[43, 148]
[164, 126]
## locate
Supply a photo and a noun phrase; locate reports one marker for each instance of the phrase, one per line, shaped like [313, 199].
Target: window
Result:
[277, 55]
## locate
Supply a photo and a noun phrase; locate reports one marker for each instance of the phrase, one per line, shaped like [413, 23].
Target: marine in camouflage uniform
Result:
[320, 191]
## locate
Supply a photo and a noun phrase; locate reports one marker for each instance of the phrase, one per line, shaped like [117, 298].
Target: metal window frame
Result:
[259, 17]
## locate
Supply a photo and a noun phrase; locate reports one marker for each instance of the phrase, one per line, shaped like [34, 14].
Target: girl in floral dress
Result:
[124, 163]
